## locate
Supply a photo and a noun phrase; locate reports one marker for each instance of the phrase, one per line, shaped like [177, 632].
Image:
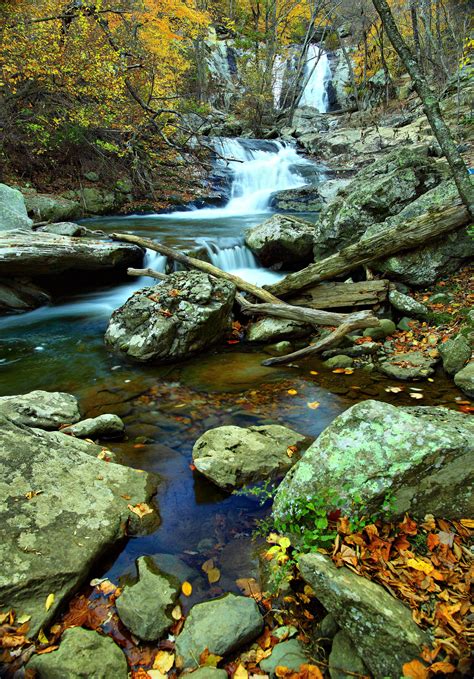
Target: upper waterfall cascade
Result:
[317, 77]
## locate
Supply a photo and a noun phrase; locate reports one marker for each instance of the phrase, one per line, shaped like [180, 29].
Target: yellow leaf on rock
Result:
[156, 674]
[212, 660]
[313, 372]
[208, 565]
[177, 613]
[313, 405]
[213, 575]
[164, 661]
[187, 588]
[141, 509]
[420, 565]
[241, 673]
[42, 638]
[49, 601]
[23, 618]
[292, 392]
[467, 523]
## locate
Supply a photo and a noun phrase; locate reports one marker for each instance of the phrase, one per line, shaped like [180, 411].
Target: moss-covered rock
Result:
[420, 455]
[455, 353]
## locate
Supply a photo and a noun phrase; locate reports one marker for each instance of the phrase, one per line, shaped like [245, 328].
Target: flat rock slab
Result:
[33, 253]
[42, 409]
[82, 653]
[380, 627]
[222, 626]
[411, 366]
[102, 426]
[61, 510]
[420, 455]
[233, 456]
[145, 607]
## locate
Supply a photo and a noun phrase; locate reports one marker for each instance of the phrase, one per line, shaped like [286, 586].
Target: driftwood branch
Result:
[147, 272]
[339, 295]
[385, 242]
[357, 321]
[194, 263]
[301, 314]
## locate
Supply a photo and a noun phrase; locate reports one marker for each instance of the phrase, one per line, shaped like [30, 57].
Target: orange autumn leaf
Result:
[415, 670]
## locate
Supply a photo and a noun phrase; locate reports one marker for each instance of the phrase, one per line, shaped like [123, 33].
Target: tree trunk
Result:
[198, 264]
[416, 32]
[340, 295]
[430, 106]
[385, 242]
[303, 315]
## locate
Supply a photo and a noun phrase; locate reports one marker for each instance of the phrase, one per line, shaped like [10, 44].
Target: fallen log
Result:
[356, 321]
[338, 295]
[385, 242]
[210, 269]
[301, 314]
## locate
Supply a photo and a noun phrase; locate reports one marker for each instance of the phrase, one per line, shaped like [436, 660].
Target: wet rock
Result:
[464, 379]
[13, 214]
[344, 661]
[407, 304]
[283, 240]
[302, 199]
[145, 607]
[42, 409]
[65, 229]
[331, 189]
[425, 265]
[273, 329]
[380, 627]
[357, 351]
[233, 456]
[405, 324]
[288, 654]
[103, 426]
[339, 361]
[62, 510]
[82, 653]
[222, 625]
[419, 455]
[21, 295]
[385, 328]
[410, 366]
[379, 191]
[279, 349]
[440, 298]
[173, 320]
[455, 353]
[328, 627]
[44, 207]
[170, 563]
[35, 253]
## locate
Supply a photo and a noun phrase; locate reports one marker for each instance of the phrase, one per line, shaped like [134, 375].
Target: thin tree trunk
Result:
[416, 32]
[198, 264]
[430, 106]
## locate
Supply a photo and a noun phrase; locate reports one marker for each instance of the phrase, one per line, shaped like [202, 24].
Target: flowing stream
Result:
[166, 409]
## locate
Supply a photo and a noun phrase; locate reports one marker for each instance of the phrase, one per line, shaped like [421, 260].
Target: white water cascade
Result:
[317, 76]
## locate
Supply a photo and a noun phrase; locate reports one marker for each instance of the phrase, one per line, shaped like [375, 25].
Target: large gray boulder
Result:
[174, 320]
[13, 214]
[377, 192]
[47, 208]
[82, 654]
[222, 625]
[423, 266]
[420, 455]
[233, 456]
[145, 607]
[42, 409]
[61, 512]
[282, 240]
[36, 253]
[380, 627]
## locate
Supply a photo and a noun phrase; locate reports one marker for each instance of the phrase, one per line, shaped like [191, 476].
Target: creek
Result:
[167, 408]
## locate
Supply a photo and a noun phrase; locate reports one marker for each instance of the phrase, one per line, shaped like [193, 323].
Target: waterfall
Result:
[317, 77]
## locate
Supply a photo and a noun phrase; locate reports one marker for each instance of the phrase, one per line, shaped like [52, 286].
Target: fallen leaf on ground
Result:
[420, 565]
[415, 670]
[163, 661]
[141, 509]
[313, 405]
[213, 575]
[292, 392]
[416, 395]
[208, 565]
[249, 587]
[291, 450]
[177, 613]
[241, 673]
